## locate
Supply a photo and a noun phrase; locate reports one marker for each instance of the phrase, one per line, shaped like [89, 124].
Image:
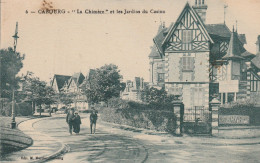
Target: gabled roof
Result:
[256, 60]
[195, 16]
[218, 30]
[78, 78]
[158, 39]
[157, 50]
[235, 48]
[60, 80]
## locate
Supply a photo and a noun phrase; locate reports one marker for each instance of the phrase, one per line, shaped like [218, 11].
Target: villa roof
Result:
[218, 30]
[61, 80]
[256, 60]
[235, 48]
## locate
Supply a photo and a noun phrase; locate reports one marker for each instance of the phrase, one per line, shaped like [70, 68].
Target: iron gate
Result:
[197, 120]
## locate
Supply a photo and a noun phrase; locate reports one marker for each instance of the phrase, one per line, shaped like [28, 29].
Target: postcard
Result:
[130, 80]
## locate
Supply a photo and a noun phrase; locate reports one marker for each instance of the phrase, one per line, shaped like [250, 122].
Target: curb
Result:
[64, 148]
[212, 138]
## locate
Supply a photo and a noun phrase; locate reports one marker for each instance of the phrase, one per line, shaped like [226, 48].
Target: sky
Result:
[68, 43]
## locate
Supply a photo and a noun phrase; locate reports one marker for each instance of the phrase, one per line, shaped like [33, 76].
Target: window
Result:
[187, 36]
[253, 83]
[198, 96]
[187, 64]
[160, 77]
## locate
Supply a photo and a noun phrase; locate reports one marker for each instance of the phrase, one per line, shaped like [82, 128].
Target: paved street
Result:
[111, 144]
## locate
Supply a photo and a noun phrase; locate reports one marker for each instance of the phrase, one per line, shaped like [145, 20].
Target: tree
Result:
[154, 95]
[66, 98]
[102, 84]
[11, 64]
[38, 92]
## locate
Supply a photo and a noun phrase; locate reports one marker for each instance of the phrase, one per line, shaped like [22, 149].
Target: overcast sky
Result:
[64, 44]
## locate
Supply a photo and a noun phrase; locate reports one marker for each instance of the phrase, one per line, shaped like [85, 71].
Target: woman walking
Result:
[76, 123]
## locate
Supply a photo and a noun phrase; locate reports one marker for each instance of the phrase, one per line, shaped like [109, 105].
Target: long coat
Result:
[76, 123]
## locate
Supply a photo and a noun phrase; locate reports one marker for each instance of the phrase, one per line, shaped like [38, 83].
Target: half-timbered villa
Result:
[71, 84]
[198, 61]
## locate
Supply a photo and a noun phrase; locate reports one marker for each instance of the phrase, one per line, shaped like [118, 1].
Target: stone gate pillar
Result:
[214, 106]
[178, 109]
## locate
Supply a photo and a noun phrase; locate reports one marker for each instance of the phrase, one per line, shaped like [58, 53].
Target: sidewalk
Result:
[227, 136]
[43, 148]
[46, 147]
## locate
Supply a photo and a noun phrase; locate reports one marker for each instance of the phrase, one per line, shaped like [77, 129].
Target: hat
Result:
[76, 112]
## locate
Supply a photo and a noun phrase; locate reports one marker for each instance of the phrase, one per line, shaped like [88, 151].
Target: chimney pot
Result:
[201, 9]
[258, 44]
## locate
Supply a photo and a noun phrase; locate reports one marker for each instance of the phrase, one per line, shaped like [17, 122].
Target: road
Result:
[115, 145]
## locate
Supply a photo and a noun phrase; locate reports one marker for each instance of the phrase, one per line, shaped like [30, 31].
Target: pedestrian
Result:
[69, 119]
[76, 123]
[93, 120]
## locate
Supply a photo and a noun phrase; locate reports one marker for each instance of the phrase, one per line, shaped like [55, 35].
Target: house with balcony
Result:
[197, 61]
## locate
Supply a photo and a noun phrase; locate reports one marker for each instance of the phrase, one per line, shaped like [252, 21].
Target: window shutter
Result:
[192, 96]
[181, 69]
[193, 68]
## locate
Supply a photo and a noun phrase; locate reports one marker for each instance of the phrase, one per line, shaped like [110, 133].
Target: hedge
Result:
[23, 109]
[154, 116]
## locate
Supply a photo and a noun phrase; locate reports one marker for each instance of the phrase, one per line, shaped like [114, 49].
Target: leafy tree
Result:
[66, 98]
[103, 83]
[11, 64]
[38, 92]
[154, 95]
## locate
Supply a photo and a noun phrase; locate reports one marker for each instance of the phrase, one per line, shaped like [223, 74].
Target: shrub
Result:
[24, 109]
[150, 116]
[6, 109]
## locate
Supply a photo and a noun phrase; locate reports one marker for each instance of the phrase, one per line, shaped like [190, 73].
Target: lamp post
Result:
[15, 36]
[1, 81]
[1, 100]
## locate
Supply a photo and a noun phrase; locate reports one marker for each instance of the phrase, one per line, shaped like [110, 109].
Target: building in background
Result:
[198, 61]
[71, 85]
[134, 89]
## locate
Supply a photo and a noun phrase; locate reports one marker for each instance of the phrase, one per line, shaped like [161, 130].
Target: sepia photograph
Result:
[136, 81]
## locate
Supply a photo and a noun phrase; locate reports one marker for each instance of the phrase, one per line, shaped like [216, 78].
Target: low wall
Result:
[159, 120]
[239, 116]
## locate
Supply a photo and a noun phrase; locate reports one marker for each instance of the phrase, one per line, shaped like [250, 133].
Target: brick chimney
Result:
[201, 8]
[258, 44]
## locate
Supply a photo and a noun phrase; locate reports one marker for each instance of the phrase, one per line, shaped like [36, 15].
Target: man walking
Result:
[93, 120]
[69, 119]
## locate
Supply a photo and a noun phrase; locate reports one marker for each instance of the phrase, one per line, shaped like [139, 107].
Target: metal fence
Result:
[197, 113]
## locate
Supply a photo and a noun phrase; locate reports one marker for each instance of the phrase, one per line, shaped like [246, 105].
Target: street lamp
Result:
[15, 36]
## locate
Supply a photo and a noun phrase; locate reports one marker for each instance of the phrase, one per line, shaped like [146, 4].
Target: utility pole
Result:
[15, 36]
